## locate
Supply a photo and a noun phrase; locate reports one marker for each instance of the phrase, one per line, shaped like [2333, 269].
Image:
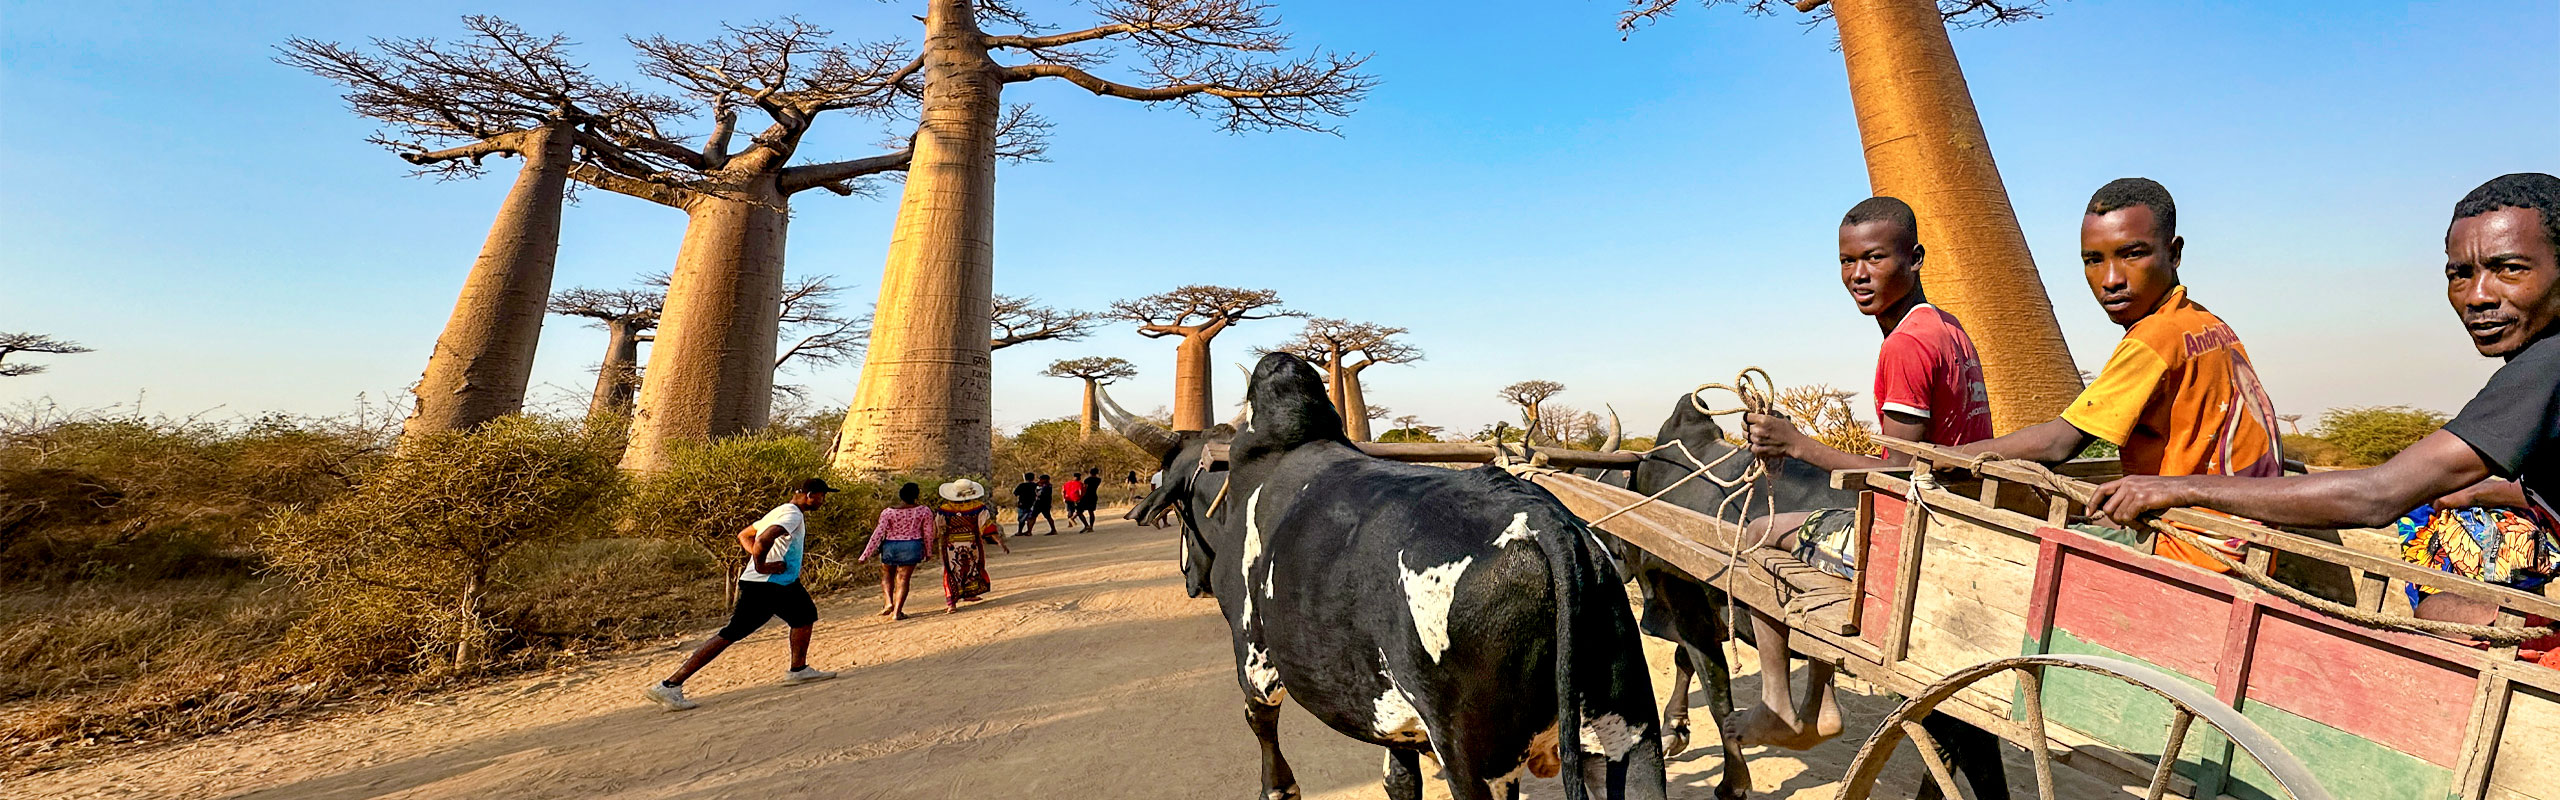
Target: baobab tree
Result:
[1197, 314]
[1095, 371]
[1924, 144]
[923, 404]
[1341, 349]
[32, 343]
[627, 316]
[1380, 348]
[445, 107]
[1022, 320]
[811, 332]
[711, 367]
[1529, 396]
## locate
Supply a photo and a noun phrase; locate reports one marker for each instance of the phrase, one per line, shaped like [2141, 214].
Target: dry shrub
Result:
[1058, 448]
[710, 492]
[153, 498]
[2315, 451]
[2373, 434]
[405, 562]
[1824, 413]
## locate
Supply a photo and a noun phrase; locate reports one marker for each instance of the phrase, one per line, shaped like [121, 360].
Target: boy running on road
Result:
[769, 587]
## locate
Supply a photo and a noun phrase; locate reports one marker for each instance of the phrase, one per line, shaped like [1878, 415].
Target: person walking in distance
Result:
[1074, 495]
[1043, 497]
[769, 587]
[902, 540]
[1092, 496]
[1024, 494]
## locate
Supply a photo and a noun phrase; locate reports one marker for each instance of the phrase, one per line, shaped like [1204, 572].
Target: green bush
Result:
[2315, 451]
[405, 562]
[1058, 448]
[2373, 434]
[710, 492]
[1407, 435]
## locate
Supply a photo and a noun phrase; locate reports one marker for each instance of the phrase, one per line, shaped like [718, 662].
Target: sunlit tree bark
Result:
[923, 405]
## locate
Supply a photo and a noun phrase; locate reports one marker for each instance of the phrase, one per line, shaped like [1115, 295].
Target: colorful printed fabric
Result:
[964, 559]
[2494, 545]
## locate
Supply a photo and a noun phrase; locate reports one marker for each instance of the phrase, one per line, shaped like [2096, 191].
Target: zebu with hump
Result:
[1465, 615]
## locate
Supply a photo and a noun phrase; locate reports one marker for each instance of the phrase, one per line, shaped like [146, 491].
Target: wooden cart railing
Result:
[1967, 568]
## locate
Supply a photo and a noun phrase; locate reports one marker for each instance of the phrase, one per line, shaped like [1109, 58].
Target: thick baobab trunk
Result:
[1354, 405]
[923, 404]
[1092, 413]
[484, 359]
[1333, 392]
[618, 379]
[1924, 144]
[711, 365]
[1191, 384]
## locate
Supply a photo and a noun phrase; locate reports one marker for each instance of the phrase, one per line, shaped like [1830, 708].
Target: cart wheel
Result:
[2189, 702]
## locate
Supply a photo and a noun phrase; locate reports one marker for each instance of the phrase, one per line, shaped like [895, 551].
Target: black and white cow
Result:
[1465, 615]
[1691, 613]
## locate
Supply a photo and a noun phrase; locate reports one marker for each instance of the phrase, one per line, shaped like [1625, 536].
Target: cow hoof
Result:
[1676, 742]
[1290, 793]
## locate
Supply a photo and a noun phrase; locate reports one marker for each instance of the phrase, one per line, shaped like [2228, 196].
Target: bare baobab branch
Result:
[1956, 13]
[1099, 369]
[474, 91]
[33, 343]
[826, 336]
[1021, 320]
[1196, 309]
[835, 176]
[609, 304]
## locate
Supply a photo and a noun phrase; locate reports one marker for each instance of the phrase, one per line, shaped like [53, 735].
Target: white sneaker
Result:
[806, 674]
[670, 696]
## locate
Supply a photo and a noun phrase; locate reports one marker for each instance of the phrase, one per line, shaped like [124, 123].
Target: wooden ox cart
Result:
[1977, 601]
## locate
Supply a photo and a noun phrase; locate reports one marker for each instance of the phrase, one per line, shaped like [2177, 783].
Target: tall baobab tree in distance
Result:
[446, 106]
[1529, 395]
[1197, 314]
[1380, 347]
[627, 316]
[1342, 349]
[32, 343]
[923, 405]
[1924, 144]
[711, 368]
[1096, 371]
[1022, 320]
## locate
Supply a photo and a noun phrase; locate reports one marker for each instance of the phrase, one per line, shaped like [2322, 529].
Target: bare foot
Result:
[888, 611]
[901, 615]
[1757, 725]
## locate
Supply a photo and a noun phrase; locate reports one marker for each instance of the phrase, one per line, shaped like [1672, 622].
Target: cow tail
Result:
[1563, 546]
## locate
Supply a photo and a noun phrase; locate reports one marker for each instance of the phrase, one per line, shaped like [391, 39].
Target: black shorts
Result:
[762, 600]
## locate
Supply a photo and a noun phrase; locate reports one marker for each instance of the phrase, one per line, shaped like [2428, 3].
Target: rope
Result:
[2046, 480]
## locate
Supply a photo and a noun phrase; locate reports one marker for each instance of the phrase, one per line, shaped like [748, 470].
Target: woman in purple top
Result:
[900, 540]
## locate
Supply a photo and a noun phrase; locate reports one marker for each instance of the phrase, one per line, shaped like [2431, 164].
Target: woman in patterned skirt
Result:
[966, 527]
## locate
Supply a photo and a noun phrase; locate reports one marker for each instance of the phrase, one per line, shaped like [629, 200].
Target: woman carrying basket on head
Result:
[966, 526]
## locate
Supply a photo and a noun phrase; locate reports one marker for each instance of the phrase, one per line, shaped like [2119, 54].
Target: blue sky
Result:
[1533, 194]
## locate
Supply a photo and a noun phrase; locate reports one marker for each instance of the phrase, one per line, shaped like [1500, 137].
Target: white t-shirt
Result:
[786, 549]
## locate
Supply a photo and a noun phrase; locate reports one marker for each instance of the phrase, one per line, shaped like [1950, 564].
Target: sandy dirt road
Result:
[1087, 674]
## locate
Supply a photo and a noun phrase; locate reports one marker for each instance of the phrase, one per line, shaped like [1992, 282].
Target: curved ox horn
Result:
[1146, 435]
[1611, 446]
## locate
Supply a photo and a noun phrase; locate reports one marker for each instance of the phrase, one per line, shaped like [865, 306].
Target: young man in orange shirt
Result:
[2178, 396]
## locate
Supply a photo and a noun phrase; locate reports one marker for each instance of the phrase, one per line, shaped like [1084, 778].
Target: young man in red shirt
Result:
[1928, 389]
